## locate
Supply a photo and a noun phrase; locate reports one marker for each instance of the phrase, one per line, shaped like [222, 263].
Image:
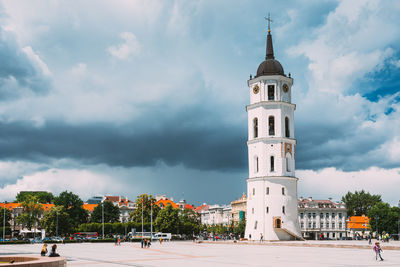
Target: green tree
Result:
[73, 206]
[42, 196]
[145, 201]
[168, 220]
[385, 216]
[359, 203]
[31, 210]
[56, 220]
[189, 222]
[111, 213]
[240, 228]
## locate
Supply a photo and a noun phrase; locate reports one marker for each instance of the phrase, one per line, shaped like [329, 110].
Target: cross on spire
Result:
[269, 21]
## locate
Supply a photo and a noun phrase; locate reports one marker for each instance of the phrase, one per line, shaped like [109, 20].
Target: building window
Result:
[302, 225]
[272, 163]
[309, 225]
[287, 132]
[255, 225]
[283, 191]
[333, 225]
[267, 209]
[288, 163]
[313, 225]
[313, 215]
[255, 127]
[340, 215]
[283, 209]
[309, 215]
[252, 210]
[301, 215]
[271, 92]
[271, 125]
[340, 225]
[321, 215]
[254, 191]
[333, 215]
[333, 235]
[267, 190]
[327, 225]
[322, 225]
[256, 164]
[327, 215]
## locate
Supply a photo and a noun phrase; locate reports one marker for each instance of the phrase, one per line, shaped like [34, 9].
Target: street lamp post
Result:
[57, 224]
[377, 236]
[102, 217]
[4, 221]
[142, 218]
[151, 218]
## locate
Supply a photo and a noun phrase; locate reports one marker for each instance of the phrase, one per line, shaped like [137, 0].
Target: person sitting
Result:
[53, 251]
[44, 250]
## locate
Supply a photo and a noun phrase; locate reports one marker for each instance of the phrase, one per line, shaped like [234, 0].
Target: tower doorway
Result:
[277, 223]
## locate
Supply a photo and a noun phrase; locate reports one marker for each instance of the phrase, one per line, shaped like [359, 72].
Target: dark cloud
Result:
[173, 141]
[18, 74]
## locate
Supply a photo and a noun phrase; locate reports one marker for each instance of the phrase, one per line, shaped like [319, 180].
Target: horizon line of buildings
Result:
[317, 219]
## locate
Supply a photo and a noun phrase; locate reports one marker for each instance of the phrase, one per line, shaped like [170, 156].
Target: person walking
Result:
[261, 237]
[378, 249]
[370, 239]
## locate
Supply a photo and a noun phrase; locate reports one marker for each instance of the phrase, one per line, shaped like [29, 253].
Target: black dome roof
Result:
[270, 66]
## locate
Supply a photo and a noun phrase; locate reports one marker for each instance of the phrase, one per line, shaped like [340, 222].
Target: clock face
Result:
[285, 88]
[256, 89]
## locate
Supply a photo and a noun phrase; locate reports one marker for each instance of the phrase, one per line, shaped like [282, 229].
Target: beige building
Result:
[239, 209]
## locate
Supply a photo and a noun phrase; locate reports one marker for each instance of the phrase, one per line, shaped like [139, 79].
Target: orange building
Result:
[358, 223]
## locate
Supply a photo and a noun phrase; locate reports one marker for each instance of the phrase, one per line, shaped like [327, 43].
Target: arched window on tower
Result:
[271, 125]
[267, 190]
[272, 164]
[256, 164]
[283, 209]
[283, 191]
[271, 92]
[288, 167]
[287, 132]
[255, 127]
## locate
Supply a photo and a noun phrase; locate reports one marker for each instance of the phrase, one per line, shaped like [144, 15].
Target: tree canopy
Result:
[31, 209]
[41, 196]
[111, 213]
[385, 217]
[360, 202]
[56, 221]
[73, 206]
[145, 201]
[168, 220]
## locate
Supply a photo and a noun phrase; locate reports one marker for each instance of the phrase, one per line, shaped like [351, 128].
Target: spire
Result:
[270, 49]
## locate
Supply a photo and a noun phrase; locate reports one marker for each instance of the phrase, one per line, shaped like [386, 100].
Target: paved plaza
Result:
[220, 254]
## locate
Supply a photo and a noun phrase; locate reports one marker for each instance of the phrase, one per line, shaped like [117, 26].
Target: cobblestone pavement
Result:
[309, 253]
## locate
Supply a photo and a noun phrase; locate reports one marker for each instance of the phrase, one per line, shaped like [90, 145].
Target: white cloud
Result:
[82, 182]
[128, 48]
[79, 69]
[36, 60]
[331, 182]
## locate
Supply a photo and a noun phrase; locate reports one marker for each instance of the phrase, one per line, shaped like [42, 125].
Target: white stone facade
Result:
[271, 185]
[322, 219]
[216, 214]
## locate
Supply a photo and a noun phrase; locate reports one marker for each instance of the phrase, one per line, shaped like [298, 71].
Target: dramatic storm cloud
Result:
[150, 96]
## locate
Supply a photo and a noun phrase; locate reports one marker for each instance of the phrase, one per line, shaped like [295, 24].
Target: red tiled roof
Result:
[201, 208]
[188, 206]
[165, 202]
[112, 198]
[14, 205]
[89, 207]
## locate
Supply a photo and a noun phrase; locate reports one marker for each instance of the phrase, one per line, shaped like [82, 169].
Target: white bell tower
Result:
[272, 185]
